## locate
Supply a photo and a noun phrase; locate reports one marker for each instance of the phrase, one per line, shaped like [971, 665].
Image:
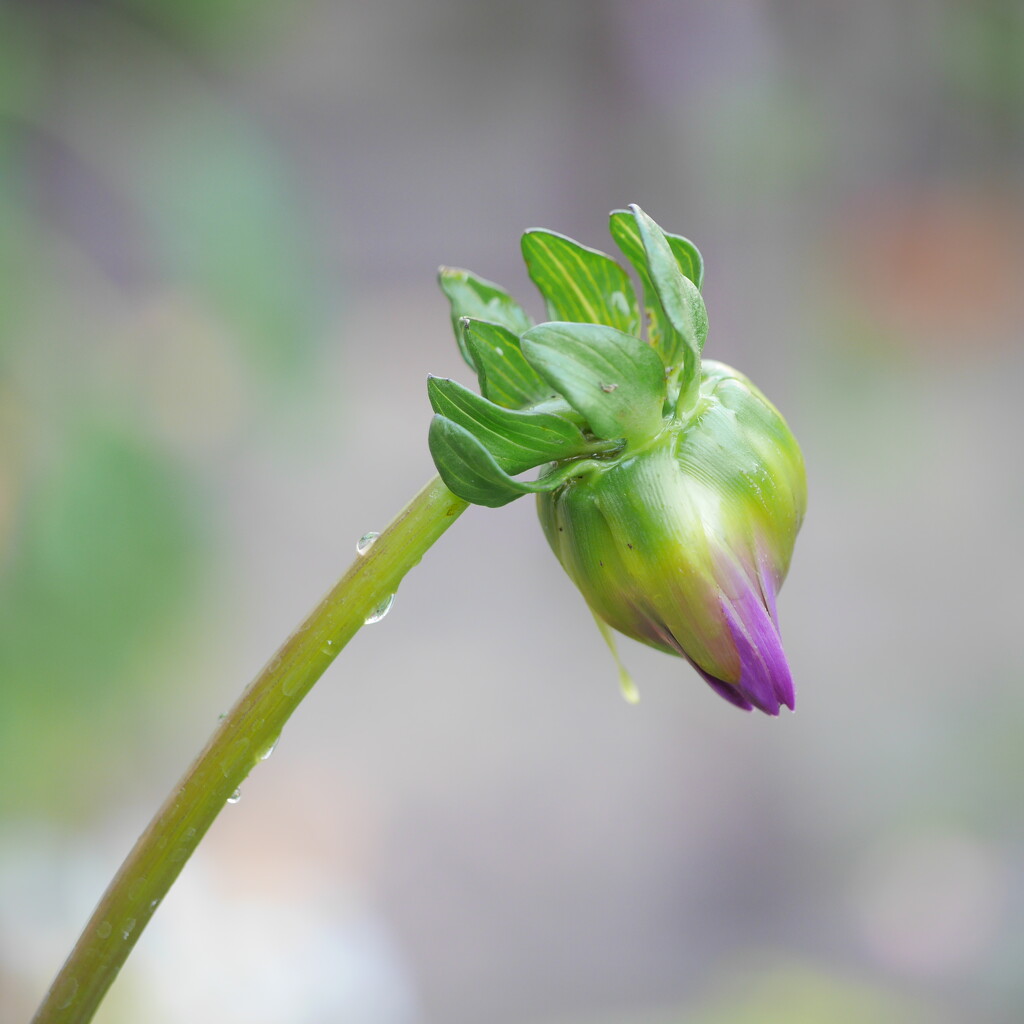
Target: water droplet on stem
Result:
[380, 611]
[366, 542]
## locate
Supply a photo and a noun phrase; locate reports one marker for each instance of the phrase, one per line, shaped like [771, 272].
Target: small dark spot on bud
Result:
[601, 564]
[630, 546]
[561, 529]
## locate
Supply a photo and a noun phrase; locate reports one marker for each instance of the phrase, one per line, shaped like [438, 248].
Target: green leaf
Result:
[613, 379]
[580, 284]
[625, 230]
[682, 303]
[688, 256]
[626, 235]
[517, 440]
[472, 296]
[470, 471]
[505, 376]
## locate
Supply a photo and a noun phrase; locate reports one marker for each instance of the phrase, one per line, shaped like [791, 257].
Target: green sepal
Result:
[688, 256]
[681, 300]
[626, 234]
[614, 380]
[505, 376]
[517, 440]
[470, 471]
[660, 333]
[578, 283]
[472, 296]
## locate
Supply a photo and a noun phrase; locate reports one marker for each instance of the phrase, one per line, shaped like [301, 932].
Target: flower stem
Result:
[245, 735]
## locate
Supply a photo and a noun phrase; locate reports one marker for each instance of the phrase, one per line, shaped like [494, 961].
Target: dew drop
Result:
[498, 351]
[266, 753]
[380, 611]
[129, 927]
[366, 542]
[103, 929]
[235, 797]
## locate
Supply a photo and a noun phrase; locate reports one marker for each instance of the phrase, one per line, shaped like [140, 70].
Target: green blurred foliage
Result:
[802, 995]
[103, 554]
[790, 993]
[203, 197]
[983, 46]
[209, 21]
[225, 226]
[155, 265]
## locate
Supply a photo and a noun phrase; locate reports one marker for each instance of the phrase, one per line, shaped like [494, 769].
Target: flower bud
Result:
[672, 491]
[684, 545]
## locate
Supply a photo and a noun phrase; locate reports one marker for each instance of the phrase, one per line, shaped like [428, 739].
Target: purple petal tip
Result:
[765, 679]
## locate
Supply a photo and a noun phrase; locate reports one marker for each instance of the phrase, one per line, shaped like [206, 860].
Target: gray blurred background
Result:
[219, 228]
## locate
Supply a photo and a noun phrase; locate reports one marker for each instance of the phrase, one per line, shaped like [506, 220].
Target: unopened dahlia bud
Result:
[685, 545]
[671, 492]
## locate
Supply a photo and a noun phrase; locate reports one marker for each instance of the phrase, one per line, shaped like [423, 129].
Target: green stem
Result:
[243, 737]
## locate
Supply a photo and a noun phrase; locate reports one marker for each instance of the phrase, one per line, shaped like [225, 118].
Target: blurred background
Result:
[219, 228]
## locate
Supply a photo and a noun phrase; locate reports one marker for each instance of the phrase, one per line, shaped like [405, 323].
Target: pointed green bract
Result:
[611, 378]
[624, 231]
[472, 296]
[578, 283]
[505, 376]
[469, 470]
[683, 306]
[688, 256]
[517, 440]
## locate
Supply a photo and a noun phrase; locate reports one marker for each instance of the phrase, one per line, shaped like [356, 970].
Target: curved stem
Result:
[243, 737]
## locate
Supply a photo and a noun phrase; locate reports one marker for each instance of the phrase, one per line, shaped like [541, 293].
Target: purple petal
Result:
[730, 693]
[723, 689]
[765, 679]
